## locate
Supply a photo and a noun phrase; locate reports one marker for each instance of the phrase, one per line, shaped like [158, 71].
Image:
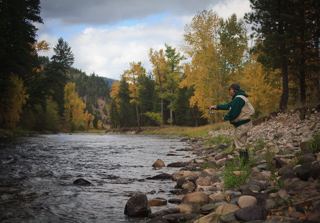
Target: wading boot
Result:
[244, 157]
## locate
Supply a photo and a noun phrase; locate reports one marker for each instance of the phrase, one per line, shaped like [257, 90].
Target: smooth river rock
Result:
[137, 206]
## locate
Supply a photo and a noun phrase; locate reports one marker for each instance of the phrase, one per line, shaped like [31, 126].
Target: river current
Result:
[37, 175]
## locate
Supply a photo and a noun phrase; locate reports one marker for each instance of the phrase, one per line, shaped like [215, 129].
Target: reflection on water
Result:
[37, 174]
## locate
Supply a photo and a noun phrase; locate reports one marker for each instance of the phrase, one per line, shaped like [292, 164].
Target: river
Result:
[37, 175]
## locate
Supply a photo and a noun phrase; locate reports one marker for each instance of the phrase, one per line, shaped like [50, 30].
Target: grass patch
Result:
[96, 131]
[218, 140]
[269, 157]
[184, 131]
[236, 173]
[314, 145]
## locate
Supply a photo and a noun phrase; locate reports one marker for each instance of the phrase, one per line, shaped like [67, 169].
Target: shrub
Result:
[231, 179]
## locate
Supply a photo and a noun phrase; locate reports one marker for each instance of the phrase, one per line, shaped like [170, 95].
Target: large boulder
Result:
[137, 206]
[303, 171]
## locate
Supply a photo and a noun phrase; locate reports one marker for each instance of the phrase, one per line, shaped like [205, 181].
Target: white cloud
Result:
[226, 8]
[108, 51]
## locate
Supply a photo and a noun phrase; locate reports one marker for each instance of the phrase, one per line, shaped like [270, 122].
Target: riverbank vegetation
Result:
[277, 65]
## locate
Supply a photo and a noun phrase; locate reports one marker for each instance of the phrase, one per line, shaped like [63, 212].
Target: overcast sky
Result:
[106, 35]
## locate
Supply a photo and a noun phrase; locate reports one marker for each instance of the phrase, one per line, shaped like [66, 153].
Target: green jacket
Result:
[234, 107]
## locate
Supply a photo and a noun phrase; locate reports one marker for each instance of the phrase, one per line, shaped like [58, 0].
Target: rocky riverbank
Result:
[280, 183]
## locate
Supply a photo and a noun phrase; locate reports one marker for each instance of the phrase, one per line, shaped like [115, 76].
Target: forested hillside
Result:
[95, 91]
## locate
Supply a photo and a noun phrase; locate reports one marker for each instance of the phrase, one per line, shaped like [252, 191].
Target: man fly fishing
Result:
[239, 115]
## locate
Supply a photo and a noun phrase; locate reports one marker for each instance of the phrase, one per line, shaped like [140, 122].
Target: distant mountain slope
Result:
[94, 91]
[109, 80]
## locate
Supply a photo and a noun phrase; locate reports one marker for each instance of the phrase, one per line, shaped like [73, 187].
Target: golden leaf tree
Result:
[10, 114]
[74, 106]
[202, 73]
[159, 64]
[115, 93]
[264, 96]
[132, 76]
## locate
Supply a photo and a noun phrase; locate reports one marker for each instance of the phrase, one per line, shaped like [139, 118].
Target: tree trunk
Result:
[171, 113]
[138, 119]
[285, 84]
[160, 87]
[302, 86]
[284, 69]
[302, 72]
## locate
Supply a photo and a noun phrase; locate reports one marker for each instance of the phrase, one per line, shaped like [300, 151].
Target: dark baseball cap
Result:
[234, 86]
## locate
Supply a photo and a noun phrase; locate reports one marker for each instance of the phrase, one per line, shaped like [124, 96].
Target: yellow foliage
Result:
[99, 124]
[91, 121]
[263, 96]
[12, 106]
[115, 92]
[42, 46]
[74, 106]
[86, 120]
[202, 73]
[132, 75]
[115, 89]
[158, 61]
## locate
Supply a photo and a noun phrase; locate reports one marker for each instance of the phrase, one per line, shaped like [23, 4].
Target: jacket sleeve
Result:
[236, 106]
[224, 106]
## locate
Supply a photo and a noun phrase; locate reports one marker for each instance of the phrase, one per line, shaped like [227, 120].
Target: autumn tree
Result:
[10, 113]
[133, 76]
[158, 62]
[86, 120]
[74, 106]
[258, 84]
[201, 44]
[99, 125]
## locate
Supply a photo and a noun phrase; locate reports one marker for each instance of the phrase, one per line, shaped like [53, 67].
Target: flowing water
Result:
[37, 175]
